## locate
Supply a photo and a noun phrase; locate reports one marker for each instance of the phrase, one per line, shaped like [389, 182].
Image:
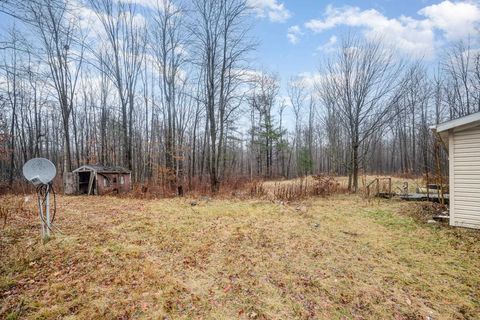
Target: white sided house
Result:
[463, 139]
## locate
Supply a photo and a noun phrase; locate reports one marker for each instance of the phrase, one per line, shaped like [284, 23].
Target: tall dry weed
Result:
[15, 207]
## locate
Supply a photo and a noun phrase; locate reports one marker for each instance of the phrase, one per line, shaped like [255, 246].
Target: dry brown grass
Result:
[298, 189]
[331, 258]
[302, 188]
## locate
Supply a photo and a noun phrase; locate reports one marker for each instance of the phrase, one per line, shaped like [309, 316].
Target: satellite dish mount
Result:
[40, 172]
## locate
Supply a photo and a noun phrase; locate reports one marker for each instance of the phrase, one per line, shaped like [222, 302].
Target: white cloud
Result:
[91, 24]
[457, 20]
[294, 33]
[151, 4]
[412, 36]
[309, 79]
[274, 10]
[330, 45]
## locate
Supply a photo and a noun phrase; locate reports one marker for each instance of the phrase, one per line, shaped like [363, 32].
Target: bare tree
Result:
[362, 84]
[297, 93]
[169, 44]
[122, 61]
[220, 38]
[262, 100]
[462, 80]
[11, 71]
[63, 52]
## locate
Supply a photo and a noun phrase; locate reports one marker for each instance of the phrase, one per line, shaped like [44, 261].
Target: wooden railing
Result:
[378, 192]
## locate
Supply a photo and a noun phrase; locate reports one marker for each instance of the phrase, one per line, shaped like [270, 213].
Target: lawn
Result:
[328, 258]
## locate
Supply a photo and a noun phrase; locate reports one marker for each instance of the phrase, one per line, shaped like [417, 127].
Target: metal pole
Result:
[47, 209]
[40, 212]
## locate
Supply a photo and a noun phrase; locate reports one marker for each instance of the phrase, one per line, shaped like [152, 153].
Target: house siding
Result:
[465, 177]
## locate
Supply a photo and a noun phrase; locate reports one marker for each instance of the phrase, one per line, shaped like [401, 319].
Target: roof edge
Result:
[474, 117]
[102, 169]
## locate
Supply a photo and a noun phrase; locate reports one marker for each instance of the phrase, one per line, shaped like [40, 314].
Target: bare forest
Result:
[174, 95]
[239, 159]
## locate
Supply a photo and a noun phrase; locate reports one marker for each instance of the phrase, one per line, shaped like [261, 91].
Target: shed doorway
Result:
[85, 182]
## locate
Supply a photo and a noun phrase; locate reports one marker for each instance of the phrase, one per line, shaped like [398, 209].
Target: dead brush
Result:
[13, 207]
[326, 185]
[148, 191]
[18, 187]
[293, 191]
[4, 213]
[424, 211]
[194, 188]
[257, 189]
[236, 187]
[300, 189]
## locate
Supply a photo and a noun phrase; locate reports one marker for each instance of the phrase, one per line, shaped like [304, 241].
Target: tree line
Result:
[171, 93]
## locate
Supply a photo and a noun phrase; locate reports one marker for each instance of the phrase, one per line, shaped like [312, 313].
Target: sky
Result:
[295, 35]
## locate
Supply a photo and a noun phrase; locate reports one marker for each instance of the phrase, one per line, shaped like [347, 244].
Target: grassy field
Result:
[334, 258]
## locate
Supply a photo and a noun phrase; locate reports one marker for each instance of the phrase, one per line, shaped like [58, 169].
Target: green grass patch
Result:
[392, 220]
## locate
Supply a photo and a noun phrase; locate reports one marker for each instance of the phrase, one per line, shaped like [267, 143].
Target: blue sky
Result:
[295, 35]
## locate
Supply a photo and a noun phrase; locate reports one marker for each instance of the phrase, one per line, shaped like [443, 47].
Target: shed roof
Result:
[101, 168]
[462, 121]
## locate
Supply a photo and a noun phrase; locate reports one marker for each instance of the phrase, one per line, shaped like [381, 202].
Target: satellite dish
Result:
[39, 171]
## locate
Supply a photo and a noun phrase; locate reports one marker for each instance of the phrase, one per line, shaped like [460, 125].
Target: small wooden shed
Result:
[462, 136]
[98, 180]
